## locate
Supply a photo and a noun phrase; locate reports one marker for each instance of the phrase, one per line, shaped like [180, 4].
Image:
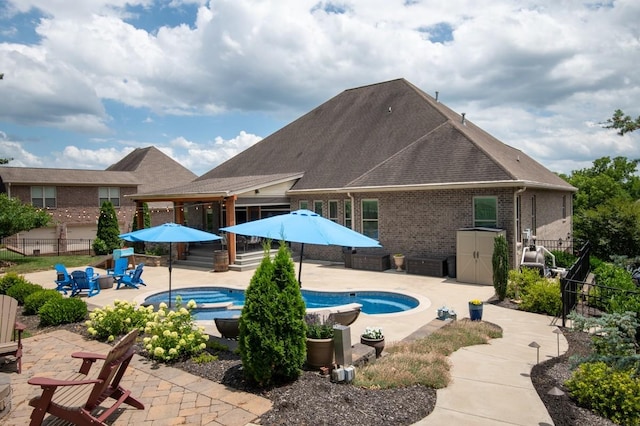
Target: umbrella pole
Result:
[300, 267]
[169, 275]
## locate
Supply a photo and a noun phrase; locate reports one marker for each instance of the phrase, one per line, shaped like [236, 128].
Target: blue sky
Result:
[87, 82]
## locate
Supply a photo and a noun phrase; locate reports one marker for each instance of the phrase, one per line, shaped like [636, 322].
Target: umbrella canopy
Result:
[305, 227]
[169, 233]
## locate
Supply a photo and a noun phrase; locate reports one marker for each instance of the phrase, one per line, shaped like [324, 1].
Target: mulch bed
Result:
[315, 400]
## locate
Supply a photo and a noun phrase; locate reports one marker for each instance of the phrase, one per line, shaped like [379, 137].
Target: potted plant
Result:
[319, 341]
[475, 310]
[373, 337]
[398, 258]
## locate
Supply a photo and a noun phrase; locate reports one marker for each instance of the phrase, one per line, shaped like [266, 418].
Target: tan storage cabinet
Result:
[474, 248]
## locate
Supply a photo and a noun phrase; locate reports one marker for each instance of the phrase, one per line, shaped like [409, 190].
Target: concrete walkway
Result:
[490, 385]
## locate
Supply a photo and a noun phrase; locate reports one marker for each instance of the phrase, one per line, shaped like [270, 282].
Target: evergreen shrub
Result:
[10, 279]
[34, 301]
[62, 311]
[272, 341]
[21, 290]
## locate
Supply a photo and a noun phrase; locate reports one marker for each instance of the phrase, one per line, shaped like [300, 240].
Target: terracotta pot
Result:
[377, 344]
[319, 352]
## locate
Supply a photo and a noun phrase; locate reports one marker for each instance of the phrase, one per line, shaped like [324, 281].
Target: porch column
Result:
[139, 214]
[230, 206]
[178, 213]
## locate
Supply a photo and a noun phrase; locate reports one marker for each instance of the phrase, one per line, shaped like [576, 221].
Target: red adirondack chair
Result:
[79, 399]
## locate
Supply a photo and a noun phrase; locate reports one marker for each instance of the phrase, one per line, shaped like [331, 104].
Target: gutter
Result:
[434, 186]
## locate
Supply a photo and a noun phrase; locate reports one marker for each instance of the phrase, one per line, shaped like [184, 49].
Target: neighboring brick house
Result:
[73, 197]
[389, 161]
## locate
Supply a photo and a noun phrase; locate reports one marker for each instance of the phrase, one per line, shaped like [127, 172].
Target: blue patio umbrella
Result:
[305, 227]
[169, 233]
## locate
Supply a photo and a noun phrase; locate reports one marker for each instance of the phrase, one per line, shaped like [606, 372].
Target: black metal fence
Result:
[572, 284]
[13, 247]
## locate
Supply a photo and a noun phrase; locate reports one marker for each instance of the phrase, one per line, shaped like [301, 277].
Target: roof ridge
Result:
[398, 153]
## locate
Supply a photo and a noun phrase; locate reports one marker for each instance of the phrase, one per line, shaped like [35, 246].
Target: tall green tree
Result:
[606, 207]
[500, 263]
[18, 217]
[272, 340]
[107, 238]
[623, 123]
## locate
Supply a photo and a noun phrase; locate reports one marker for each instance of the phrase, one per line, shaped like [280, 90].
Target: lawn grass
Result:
[424, 361]
[24, 265]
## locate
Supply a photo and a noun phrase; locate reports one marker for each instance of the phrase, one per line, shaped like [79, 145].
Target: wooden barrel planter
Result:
[220, 261]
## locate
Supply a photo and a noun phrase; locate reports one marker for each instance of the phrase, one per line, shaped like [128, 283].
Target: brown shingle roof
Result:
[222, 186]
[385, 134]
[154, 169]
[74, 177]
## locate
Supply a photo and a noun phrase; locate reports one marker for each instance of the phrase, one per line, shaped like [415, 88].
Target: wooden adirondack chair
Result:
[10, 330]
[79, 399]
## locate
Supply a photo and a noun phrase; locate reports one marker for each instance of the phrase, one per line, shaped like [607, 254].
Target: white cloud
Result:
[200, 158]
[95, 159]
[533, 73]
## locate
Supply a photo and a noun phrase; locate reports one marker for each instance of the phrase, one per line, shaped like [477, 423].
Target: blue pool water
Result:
[373, 302]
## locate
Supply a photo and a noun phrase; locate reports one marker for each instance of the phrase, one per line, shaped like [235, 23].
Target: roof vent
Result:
[389, 109]
[463, 119]
[437, 93]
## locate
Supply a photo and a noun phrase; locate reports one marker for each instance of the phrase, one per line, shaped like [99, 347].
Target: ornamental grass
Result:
[424, 361]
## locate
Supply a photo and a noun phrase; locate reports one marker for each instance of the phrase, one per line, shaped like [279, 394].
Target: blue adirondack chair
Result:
[132, 278]
[119, 268]
[82, 282]
[64, 282]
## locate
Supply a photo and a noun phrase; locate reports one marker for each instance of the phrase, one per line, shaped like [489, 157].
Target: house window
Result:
[485, 212]
[564, 206]
[533, 215]
[304, 204]
[43, 196]
[370, 218]
[347, 213]
[317, 207]
[109, 194]
[333, 211]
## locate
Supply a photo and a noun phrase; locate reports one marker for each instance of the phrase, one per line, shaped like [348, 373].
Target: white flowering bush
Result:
[118, 319]
[171, 334]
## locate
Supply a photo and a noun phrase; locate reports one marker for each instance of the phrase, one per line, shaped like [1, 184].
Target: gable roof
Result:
[71, 177]
[154, 169]
[386, 135]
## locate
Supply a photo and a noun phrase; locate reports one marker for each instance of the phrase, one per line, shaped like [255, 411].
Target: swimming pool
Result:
[373, 302]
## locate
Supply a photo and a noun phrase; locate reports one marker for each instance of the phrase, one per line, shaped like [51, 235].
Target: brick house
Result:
[73, 197]
[392, 162]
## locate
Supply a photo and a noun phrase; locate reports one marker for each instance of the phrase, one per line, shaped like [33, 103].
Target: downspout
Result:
[515, 225]
[9, 189]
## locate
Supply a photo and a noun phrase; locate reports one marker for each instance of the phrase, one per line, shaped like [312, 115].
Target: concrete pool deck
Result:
[490, 383]
[431, 292]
